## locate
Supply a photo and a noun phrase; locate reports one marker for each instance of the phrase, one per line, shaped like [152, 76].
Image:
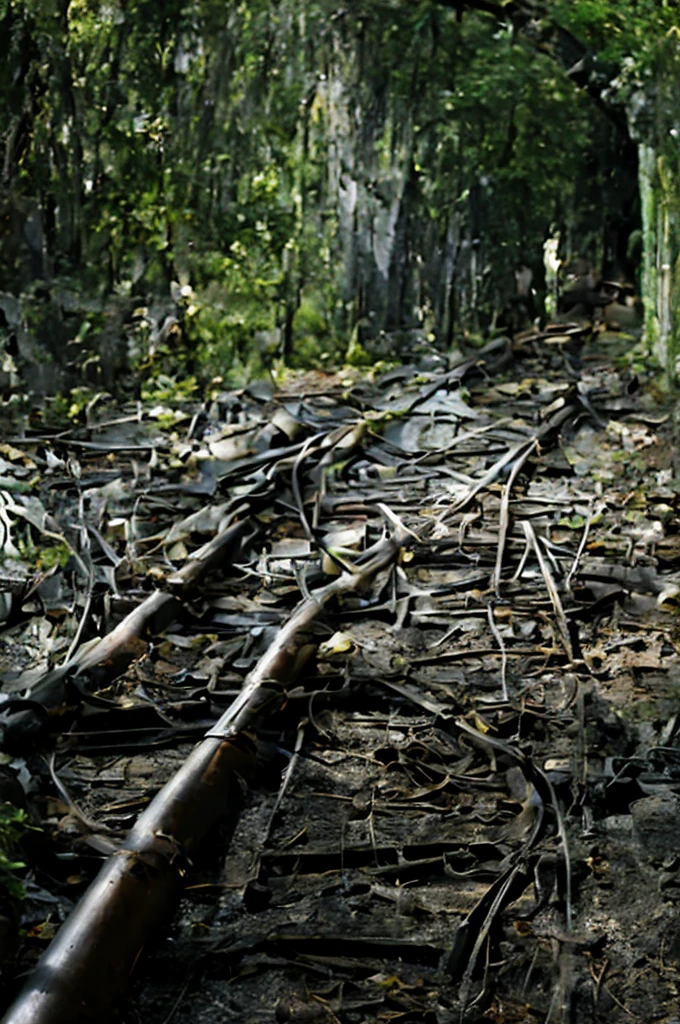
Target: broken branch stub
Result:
[86, 968]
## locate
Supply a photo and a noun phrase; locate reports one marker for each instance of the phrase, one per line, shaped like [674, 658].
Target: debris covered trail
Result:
[460, 803]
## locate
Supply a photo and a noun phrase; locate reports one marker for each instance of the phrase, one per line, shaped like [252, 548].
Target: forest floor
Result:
[467, 809]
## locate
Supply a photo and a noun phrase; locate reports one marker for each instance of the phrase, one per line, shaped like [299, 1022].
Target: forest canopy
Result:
[291, 179]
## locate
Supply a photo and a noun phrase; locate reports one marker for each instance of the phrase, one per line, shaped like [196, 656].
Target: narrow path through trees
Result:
[437, 659]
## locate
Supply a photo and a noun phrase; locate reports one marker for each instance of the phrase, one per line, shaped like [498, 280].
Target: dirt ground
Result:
[468, 809]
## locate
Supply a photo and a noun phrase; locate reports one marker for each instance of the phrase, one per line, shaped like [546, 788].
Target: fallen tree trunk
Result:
[86, 968]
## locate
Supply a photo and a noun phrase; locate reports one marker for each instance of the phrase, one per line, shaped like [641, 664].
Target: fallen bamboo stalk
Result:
[518, 451]
[111, 654]
[504, 517]
[85, 970]
[560, 617]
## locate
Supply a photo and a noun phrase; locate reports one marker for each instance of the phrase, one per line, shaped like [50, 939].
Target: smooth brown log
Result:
[86, 969]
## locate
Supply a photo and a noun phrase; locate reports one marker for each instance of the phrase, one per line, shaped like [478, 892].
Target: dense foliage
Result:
[291, 173]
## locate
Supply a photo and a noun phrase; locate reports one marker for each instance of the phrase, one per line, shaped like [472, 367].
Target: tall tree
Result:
[297, 172]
